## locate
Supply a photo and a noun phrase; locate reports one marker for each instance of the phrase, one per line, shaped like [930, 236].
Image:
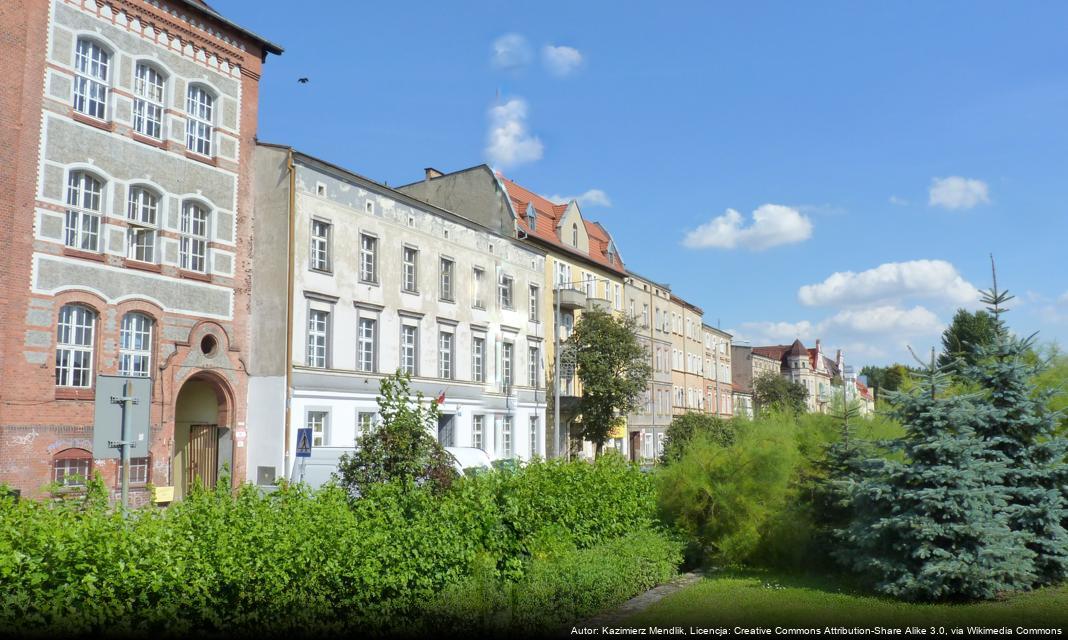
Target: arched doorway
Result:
[202, 440]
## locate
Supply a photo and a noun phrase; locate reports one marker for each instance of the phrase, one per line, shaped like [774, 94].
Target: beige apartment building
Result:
[649, 303]
[717, 371]
[687, 357]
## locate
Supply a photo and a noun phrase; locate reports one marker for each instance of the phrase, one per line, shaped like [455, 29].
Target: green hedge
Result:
[297, 560]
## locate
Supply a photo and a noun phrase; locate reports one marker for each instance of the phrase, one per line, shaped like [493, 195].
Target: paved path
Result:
[638, 603]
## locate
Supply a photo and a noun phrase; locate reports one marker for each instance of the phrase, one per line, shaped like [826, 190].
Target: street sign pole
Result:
[304, 447]
[124, 443]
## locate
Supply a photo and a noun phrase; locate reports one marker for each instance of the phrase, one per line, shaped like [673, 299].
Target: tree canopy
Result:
[965, 335]
[773, 392]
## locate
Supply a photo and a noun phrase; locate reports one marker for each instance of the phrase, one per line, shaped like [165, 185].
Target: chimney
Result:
[432, 173]
[818, 346]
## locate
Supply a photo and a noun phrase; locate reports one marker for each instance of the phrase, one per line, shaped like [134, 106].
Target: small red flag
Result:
[441, 398]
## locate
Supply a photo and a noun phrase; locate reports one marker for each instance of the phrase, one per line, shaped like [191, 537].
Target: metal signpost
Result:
[121, 424]
[304, 445]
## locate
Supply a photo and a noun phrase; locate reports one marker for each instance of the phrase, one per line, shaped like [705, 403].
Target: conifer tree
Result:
[1021, 428]
[932, 527]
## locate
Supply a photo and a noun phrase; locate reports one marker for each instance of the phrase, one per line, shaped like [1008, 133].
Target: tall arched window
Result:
[71, 467]
[91, 68]
[74, 346]
[200, 109]
[135, 345]
[148, 101]
[193, 245]
[141, 213]
[84, 206]
[574, 234]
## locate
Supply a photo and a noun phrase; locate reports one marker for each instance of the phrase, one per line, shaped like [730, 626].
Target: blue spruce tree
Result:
[1023, 431]
[932, 526]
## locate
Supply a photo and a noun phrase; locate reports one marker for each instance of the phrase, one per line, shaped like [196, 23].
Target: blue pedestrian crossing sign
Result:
[304, 442]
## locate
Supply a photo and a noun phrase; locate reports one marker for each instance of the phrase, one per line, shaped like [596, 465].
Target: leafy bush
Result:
[292, 559]
[724, 496]
[684, 428]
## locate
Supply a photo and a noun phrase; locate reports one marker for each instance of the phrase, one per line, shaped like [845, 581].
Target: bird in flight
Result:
[302, 80]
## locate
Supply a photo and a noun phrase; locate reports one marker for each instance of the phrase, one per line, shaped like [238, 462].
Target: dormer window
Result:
[574, 234]
[532, 217]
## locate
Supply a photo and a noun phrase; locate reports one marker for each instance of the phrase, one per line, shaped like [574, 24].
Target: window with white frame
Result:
[445, 279]
[411, 269]
[645, 316]
[563, 276]
[619, 297]
[92, 63]
[504, 291]
[135, 345]
[533, 360]
[71, 467]
[74, 346]
[368, 259]
[478, 359]
[366, 343]
[319, 423]
[318, 337]
[532, 303]
[319, 256]
[84, 208]
[589, 284]
[506, 364]
[478, 284]
[507, 447]
[478, 432]
[409, 348]
[534, 448]
[199, 108]
[365, 422]
[142, 206]
[193, 242]
[574, 234]
[445, 359]
[138, 471]
[148, 101]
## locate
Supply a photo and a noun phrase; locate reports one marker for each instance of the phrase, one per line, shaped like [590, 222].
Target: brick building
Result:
[125, 137]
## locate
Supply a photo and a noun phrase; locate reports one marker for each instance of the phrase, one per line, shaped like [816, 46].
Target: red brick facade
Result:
[39, 420]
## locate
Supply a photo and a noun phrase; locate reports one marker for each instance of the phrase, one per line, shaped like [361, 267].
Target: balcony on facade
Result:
[570, 299]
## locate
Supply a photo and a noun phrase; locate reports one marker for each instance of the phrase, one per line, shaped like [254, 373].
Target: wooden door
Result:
[203, 456]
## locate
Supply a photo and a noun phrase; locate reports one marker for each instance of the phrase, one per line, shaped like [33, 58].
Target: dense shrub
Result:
[299, 560]
[686, 427]
[561, 585]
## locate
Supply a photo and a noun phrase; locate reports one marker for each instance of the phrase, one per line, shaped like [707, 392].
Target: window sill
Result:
[141, 266]
[448, 300]
[325, 272]
[411, 292]
[78, 116]
[150, 141]
[370, 283]
[75, 393]
[85, 255]
[199, 158]
[194, 275]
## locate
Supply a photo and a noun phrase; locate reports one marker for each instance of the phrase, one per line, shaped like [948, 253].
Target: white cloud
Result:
[901, 202]
[885, 319]
[956, 192]
[773, 225]
[511, 51]
[561, 61]
[592, 198]
[1064, 297]
[509, 143]
[889, 282]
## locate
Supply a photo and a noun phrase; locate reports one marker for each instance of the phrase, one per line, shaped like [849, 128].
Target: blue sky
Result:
[893, 144]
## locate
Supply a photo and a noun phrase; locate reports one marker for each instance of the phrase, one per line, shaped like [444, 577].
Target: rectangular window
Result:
[368, 259]
[479, 297]
[619, 297]
[199, 107]
[645, 316]
[534, 436]
[504, 292]
[318, 329]
[445, 355]
[506, 364]
[478, 359]
[445, 280]
[138, 471]
[532, 304]
[478, 432]
[533, 358]
[320, 245]
[365, 360]
[193, 245]
[148, 103]
[409, 344]
[84, 207]
[318, 422]
[74, 346]
[507, 449]
[91, 65]
[411, 270]
[365, 421]
[135, 345]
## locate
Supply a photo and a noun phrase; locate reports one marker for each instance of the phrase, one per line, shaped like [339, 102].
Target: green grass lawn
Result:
[754, 598]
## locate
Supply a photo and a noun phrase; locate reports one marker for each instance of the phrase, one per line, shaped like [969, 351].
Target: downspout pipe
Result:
[292, 214]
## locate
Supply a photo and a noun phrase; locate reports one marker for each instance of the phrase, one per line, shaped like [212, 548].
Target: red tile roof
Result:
[863, 389]
[548, 218]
